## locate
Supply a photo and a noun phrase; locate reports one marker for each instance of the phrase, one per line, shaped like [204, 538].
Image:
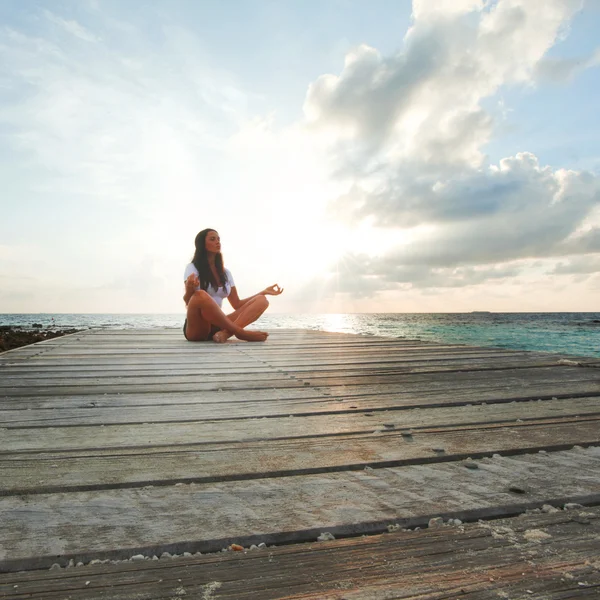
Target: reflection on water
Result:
[571, 333]
[337, 323]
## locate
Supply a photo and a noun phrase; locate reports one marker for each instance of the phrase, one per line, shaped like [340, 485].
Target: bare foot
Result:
[221, 337]
[252, 336]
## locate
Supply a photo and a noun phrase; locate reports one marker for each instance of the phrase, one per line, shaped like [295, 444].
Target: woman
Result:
[207, 282]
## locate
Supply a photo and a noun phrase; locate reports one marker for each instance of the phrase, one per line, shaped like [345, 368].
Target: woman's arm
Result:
[236, 302]
[191, 283]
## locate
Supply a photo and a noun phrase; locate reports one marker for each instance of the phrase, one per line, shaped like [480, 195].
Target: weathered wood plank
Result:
[42, 529]
[167, 397]
[209, 359]
[84, 375]
[330, 414]
[193, 349]
[188, 363]
[237, 427]
[373, 397]
[502, 559]
[52, 473]
[432, 378]
[382, 378]
[280, 351]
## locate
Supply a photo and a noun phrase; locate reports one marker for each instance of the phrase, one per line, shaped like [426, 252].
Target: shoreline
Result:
[16, 336]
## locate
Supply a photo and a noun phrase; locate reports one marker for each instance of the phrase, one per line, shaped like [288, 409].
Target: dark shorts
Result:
[184, 326]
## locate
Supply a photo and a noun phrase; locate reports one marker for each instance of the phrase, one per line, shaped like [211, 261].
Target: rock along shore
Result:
[15, 336]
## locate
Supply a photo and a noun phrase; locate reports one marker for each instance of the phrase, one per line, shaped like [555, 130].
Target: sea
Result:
[577, 334]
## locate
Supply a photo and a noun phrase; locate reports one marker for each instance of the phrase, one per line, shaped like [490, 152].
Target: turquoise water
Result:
[571, 333]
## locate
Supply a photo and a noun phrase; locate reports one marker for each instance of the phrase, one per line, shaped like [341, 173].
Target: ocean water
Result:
[571, 333]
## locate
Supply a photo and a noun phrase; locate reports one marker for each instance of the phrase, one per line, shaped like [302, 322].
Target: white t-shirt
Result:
[218, 294]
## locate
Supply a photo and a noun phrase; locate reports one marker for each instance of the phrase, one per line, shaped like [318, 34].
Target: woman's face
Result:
[212, 242]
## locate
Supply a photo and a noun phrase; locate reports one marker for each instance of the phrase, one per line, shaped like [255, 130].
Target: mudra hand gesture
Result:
[272, 290]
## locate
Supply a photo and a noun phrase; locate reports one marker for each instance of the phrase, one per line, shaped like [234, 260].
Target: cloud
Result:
[72, 27]
[561, 70]
[511, 210]
[517, 210]
[424, 10]
[101, 122]
[407, 134]
[424, 103]
[577, 265]
[385, 272]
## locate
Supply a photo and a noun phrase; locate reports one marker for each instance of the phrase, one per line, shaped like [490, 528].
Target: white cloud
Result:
[578, 265]
[516, 208]
[424, 10]
[126, 123]
[408, 133]
[423, 104]
[73, 27]
[561, 70]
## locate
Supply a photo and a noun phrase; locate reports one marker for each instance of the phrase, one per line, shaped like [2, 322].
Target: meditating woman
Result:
[207, 282]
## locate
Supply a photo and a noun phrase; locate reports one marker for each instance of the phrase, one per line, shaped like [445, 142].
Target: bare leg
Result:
[203, 312]
[242, 317]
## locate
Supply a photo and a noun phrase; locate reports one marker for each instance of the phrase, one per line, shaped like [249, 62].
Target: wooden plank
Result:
[500, 559]
[47, 528]
[318, 415]
[196, 384]
[362, 360]
[216, 359]
[279, 353]
[24, 377]
[15, 385]
[316, 397]
[239, 427]
[275, 350]
[135, 356]
[189, 349]
[348, 342]
[432, 378]
[52, 472]
[282, 354]
[166, 397]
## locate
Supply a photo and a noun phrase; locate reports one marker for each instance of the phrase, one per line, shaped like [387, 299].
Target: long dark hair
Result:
[200, 261]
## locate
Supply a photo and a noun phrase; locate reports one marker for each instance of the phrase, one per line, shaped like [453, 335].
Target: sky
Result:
[389, 156]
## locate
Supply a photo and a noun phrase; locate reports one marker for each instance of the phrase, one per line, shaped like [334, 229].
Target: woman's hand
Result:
[191, 283]
[272, 290]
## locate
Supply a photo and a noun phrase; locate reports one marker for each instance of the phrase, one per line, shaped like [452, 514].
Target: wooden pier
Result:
[358, 466]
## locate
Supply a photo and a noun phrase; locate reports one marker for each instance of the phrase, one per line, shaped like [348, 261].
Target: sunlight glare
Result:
[337, 323]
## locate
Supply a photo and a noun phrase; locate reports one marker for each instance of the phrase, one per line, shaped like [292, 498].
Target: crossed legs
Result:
[204, 316]
[243, 316]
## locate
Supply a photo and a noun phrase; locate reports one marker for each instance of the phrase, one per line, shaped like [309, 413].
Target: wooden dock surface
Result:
[121, 444]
